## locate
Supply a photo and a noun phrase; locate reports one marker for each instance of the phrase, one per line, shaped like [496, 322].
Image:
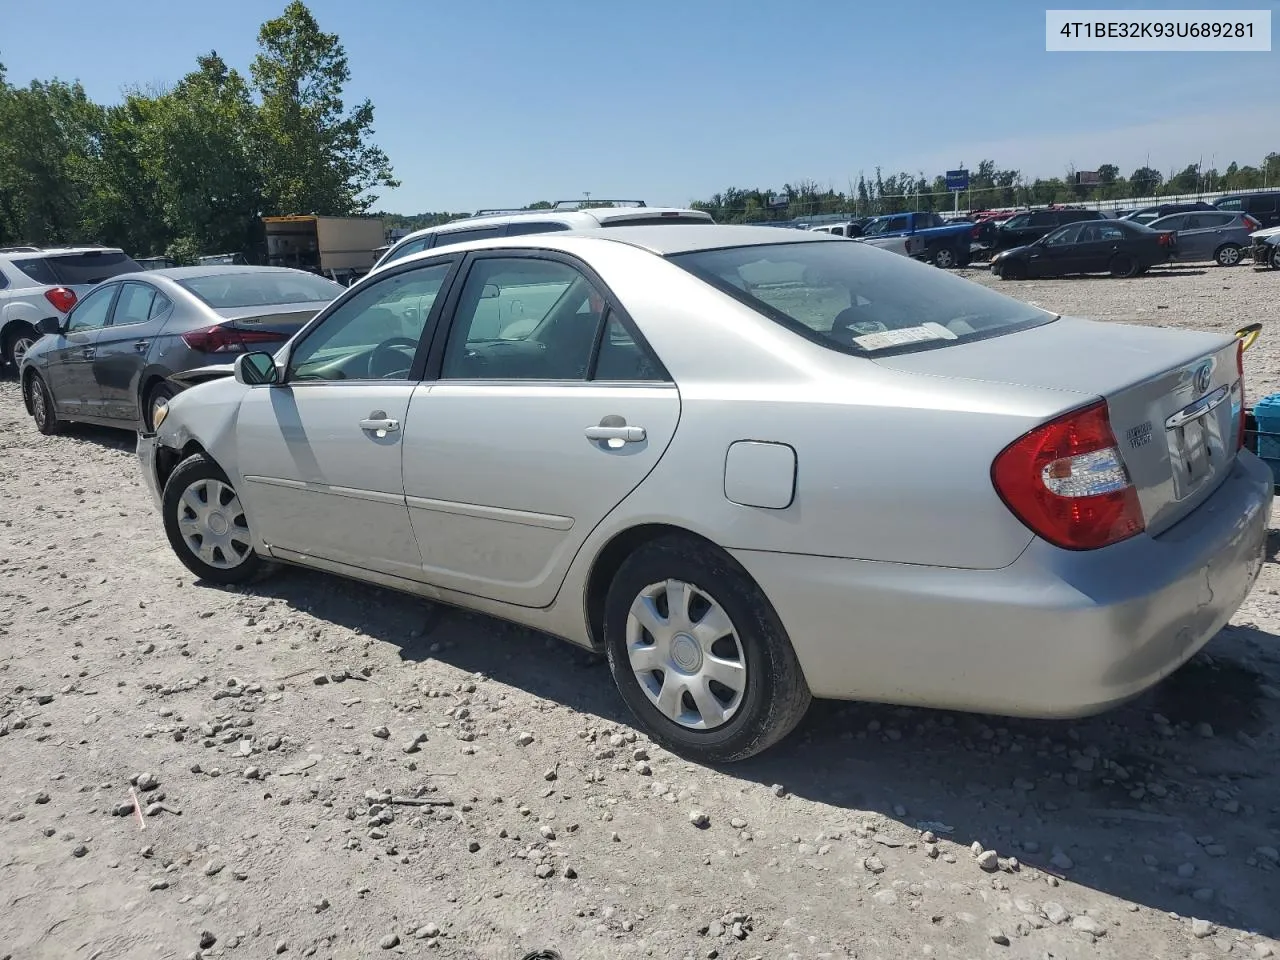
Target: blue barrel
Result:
[1267, 413]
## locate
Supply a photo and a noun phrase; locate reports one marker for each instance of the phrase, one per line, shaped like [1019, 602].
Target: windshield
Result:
[858, 299]
[261, 289]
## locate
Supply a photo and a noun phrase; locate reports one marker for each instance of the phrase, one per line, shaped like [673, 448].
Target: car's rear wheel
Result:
[42, 409]
[17, 342]
[1228, 255]
[206, 525]
[1275, 258]
[945, 258]
[1123, 265]
[699, 654]
[160, 393]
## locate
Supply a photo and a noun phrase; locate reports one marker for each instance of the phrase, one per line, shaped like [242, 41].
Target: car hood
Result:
[1013, 252]
[1269, 234]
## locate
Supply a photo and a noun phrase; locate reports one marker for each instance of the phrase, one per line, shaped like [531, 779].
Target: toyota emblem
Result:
[1203, 374]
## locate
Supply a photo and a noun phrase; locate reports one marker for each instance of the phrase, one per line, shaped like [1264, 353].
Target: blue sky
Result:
[503, 102]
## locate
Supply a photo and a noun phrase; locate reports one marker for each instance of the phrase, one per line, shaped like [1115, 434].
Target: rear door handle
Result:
[88, 353]
[627, 434]
[141, 345]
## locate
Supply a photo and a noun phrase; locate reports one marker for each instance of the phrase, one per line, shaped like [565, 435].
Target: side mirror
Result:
[256, 369]
[48, 325]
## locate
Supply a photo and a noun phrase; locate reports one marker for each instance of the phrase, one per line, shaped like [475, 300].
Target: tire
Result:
[231, 558]
[1228, 255]
[161, 391]
[17, 342]
[42, 409]
[944, 258]
[1275, 257]
[1123, 265]
[767, 695]
[1013, 270]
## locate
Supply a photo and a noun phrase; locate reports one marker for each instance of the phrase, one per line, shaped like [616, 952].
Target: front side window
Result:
[91, 312]
[844, 296]
[1063, 236]
[134, 304]
[521, 318]
[1018, 222]
[374, 335]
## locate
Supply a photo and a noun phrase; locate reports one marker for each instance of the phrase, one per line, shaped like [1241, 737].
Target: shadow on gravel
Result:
[1121, 803]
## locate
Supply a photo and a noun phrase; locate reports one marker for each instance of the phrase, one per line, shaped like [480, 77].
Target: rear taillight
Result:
[61, 298]
[1167, 239]
[1251, 224]
[1239, 395]
[223, 339]
[1065, 480]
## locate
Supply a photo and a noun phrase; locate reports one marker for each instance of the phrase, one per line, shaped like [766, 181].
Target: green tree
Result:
[1145, 181]
[317, 157]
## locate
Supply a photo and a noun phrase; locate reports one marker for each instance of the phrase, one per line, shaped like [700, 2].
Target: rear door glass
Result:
[38, 270]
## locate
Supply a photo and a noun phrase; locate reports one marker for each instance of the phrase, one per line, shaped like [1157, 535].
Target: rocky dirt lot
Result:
[328, 769]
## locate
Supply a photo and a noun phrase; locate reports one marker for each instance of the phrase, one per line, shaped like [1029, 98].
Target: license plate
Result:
[1195, 449]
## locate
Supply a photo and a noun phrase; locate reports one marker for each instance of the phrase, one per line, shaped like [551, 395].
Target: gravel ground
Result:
[328, 769]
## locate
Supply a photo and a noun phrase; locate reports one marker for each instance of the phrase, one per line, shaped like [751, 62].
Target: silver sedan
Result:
[752, 466]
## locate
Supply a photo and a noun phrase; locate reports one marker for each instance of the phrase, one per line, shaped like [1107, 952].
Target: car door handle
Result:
[627, 434]
[87, 353]
[380, 425]
[141, 345]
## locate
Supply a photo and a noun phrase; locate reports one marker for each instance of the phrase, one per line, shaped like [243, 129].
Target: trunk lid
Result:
[1173, 396]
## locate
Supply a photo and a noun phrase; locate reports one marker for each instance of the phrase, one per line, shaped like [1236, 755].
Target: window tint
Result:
[1021, 220]
[374, 335]
[133, 305]
[80, 268]
[1234, 204]
[899, 223]
[38, 270]
[91, 312]
[523, 319]
[523, 227]
[160, 305]
[4, 280]
[622, 359]
[1064, 236]
[1215, 219]
[847, 297]
[261, 288]
[1043, 218]
[1109, 231]
[462, 236]
[1176, 222]
[876, 227]
[413, 246]
[1262, 204]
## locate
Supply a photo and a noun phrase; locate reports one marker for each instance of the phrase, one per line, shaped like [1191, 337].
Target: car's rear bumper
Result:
[147, 461]
[1055, 634]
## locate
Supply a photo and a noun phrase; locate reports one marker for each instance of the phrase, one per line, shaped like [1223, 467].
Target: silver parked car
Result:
[1210, 235]
[109, 361]
[751, 465]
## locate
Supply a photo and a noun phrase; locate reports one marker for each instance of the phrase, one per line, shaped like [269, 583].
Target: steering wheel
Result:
[388, 352]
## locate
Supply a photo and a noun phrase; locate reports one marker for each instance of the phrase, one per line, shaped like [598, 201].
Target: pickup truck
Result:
[946, 245]
[906, 246]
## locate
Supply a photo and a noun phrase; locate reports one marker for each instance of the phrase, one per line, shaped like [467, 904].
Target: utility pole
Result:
[587, 194]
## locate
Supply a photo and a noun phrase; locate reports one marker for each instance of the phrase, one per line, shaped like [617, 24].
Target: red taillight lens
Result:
[1167, 239]
[1065, 480]
[61, 298]
[1251, 224]
[1240, 371]
[223, 339]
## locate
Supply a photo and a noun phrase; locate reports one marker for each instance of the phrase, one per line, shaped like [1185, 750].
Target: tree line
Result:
[192, 168]
[989, 188]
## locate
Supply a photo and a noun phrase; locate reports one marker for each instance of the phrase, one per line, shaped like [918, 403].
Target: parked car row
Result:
[622, 436]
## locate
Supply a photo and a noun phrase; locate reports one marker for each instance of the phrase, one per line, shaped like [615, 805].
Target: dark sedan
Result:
[109, 362]
[1119, 247]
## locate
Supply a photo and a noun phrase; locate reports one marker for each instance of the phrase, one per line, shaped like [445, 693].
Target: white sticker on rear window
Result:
[896, 338]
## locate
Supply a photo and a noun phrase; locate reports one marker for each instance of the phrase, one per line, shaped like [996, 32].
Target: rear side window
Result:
[1262, 204]
[1235, 204]
[133, 305]
[1215, 219]
[848, 297]
[38, 270]
[81, 268]
[413, 246]
[1044, 219]
[523, 228]
[462, 236]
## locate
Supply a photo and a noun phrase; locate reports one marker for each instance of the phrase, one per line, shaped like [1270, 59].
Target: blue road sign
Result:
[957, 179]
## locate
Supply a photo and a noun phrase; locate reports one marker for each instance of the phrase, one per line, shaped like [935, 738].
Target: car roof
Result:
[582, 218]
[213, 270]
[57, 252]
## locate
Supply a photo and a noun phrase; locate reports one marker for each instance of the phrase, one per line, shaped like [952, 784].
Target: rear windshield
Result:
[222, 290]
[80, 268]
[857, 299]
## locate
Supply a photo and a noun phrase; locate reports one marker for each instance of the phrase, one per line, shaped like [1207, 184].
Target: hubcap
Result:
[38, 408]
[686, 655]
[212, 524]
[1229, 255]
[943, 259]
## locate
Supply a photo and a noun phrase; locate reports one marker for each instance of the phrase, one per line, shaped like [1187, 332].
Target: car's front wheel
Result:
[1013, 270]
[699, 654]
[42, 409]
[206, 525]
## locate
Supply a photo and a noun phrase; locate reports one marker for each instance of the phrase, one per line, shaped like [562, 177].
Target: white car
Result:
[565, 215]
[752, 465]
[40, 282]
